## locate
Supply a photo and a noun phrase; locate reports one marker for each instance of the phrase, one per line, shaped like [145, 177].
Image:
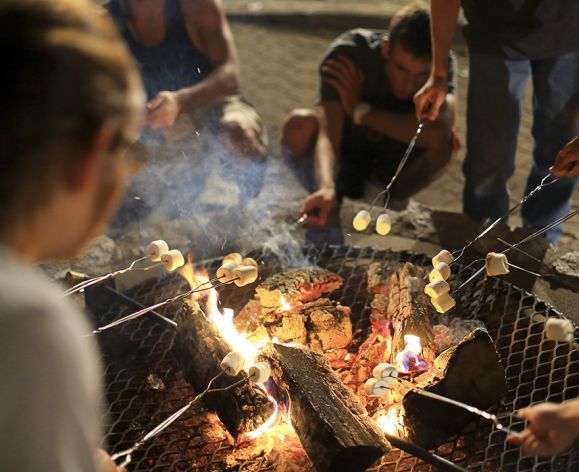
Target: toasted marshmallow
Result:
[443, 256]
[557, 329]
[362, 220]
[172, 259]
[245, 274]
[375, 388]
[225, 272]
[232, 363]
[259, 372]
[156, 249]
[385, 371]
[383, 224]
[443, 303]
[248, 261]
[233, 257]
[441, 271]
[437, 288]
[497, 264]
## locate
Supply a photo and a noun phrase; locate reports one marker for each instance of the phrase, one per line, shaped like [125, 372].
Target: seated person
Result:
[366, 118]
[73, 102]
[190, 69]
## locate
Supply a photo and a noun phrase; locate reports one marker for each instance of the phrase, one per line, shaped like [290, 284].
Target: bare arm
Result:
[326, 156]
[431, 96]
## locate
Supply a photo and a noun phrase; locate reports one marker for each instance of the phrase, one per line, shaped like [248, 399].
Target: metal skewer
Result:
[472, 409]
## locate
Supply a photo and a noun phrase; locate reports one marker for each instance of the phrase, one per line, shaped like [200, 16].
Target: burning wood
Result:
[200, 348]
[333, 427]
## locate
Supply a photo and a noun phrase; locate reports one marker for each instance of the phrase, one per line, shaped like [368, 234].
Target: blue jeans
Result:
[495, 100]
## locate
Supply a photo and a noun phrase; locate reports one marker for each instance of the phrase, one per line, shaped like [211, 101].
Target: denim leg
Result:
[495, 93]
[555, 122]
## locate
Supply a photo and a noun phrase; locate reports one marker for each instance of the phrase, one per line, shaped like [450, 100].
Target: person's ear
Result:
[85, 170]
[386, 49]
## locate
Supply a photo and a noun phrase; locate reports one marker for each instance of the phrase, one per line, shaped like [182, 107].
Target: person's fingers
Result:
[338, 86]
[155, 103]
[324, 213]
[516, 439]
[337, 73]
[348, 66]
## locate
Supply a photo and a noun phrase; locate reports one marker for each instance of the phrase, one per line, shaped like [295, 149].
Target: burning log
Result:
[199, 349]
[333, 427]
[470, 372]
[409, 311]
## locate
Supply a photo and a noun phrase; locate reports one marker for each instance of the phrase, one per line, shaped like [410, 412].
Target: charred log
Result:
[199, 349]
[409, 310]
[332, 425]
[470, 372]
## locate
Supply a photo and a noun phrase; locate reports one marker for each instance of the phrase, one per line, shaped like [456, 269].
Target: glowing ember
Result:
[408, 360]
[390, 421]
[285, 306]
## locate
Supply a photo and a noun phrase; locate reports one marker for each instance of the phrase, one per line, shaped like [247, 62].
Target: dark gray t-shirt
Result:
[522, 29]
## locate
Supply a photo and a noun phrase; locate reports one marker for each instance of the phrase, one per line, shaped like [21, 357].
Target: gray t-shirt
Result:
[51, 378]
[522, 29]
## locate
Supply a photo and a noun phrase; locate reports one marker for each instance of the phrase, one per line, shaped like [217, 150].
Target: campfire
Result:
[324, 334]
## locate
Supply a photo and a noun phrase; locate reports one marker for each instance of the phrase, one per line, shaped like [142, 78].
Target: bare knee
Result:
[245, 140]
[299, 132]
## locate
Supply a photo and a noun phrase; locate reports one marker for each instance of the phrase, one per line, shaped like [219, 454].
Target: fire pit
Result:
[144, 383]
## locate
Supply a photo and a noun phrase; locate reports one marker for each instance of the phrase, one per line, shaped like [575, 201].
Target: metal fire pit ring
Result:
[537, 369]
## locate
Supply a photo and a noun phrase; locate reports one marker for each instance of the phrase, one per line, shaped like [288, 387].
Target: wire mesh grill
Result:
[144, 384]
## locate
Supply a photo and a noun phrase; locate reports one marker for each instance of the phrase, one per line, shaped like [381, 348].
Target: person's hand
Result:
[319, 205]
[430, 97]
[163, 110]
[552, 428]
[347, 79]
[567, 160]
[104, 462]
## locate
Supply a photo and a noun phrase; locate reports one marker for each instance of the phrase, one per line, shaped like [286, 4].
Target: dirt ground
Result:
[279, 73]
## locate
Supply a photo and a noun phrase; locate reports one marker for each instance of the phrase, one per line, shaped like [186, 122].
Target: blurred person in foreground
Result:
[552, 428]
[72, 102]
[567, 160]
[510, 42]
[365, 118]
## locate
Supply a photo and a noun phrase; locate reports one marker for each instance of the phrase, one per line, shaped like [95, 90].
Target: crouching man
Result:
[72, 103]
[365, 118]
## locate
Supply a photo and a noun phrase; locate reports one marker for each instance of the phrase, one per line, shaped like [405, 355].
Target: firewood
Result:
[410, 312]
[332, 425]
[199, 349]
[470, 372]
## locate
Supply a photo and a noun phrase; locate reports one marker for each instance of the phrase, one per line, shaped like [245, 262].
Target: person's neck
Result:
[22, 242]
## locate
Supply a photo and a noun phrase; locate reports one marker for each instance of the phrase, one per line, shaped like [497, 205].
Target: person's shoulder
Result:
[202, 7]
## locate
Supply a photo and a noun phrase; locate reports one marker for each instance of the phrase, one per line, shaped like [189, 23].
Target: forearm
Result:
[570, 411]
[324, 161]
[221, 83]
[444, 15]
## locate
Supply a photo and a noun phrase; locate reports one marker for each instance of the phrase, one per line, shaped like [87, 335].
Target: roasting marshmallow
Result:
[443, 303]
[156, 249]
[233, 257]
[225, 272]
[385, 371]
[259, 372]
[248, 261]
[441, 271]
[246, 275]
[557, 329]
[443, 256]
[232, 363]
[383, 224]
[497, 264]
[437, 288]
[172, 259]
[362, 220]
[375, 387]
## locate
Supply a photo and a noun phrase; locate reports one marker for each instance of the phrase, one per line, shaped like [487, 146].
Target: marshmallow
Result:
[437, 288]
[383, 224]
[362, 220]
[557, 329]
[225, 272]
[497, 264]
[232, 363]
[385, 371]
[374, 387]
[172, 259]
[246, 274]
[233, 257]
[259, 372]
[156, 249]
[443, 256]
[441, 271]
[248, 261]
[443, 303]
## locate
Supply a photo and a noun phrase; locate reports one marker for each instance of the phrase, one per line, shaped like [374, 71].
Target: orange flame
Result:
[408, 360]
[391, 421]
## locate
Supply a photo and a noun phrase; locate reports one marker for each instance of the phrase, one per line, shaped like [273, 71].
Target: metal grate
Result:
[536, 369]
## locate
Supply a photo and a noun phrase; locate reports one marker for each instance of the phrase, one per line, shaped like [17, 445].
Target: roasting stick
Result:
[544, 183]
[472, 409]
[516, 246]
[138, 314]
[127, 453]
